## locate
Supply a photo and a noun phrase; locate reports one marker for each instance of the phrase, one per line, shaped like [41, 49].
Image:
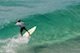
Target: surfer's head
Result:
[19, 21]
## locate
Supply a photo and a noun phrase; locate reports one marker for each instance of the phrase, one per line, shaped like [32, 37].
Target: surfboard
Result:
[25, 38]
[30, 31]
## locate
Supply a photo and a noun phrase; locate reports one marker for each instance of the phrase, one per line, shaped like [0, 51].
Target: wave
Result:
[54, 25]
[53, 28]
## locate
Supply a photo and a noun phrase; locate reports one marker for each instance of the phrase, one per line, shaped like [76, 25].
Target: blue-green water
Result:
[58, 25]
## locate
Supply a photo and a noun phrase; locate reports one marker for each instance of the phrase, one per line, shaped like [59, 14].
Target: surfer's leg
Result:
[26, 30]
[21, 30]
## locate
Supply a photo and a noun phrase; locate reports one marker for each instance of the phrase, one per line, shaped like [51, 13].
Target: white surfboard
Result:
[30, 31]
[25, 38]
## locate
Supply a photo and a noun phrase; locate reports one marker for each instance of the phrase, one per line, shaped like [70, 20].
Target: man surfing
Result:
[22, 27]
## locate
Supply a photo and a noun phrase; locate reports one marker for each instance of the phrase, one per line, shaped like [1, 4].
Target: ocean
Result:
[57, 21]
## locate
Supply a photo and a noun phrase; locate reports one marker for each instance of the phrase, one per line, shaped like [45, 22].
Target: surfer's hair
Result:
[19, 21]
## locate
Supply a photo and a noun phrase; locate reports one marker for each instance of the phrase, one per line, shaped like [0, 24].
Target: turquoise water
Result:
[58, 24]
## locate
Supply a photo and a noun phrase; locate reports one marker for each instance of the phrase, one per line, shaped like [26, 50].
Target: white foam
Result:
[11, 44]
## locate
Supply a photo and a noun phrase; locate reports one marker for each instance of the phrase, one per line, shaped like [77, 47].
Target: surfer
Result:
[22, 26]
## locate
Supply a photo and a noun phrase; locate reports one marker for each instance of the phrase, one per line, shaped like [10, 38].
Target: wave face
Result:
[58, 24]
